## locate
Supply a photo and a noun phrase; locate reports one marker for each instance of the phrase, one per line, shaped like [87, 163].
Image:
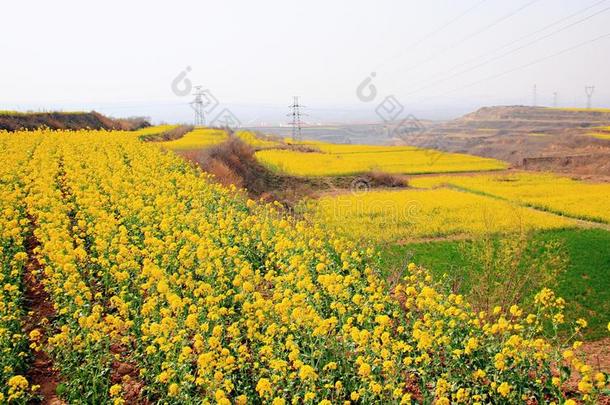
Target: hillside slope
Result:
[533, 137]
[14, 121]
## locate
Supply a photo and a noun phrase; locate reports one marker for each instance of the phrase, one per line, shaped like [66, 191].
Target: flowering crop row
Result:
[211, 298]
[14, 387]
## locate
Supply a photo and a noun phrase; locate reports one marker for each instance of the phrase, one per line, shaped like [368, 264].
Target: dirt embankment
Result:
[15, 121]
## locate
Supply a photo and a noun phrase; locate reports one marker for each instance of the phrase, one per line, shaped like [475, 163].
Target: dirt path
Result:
[598, 354]
[40, 313]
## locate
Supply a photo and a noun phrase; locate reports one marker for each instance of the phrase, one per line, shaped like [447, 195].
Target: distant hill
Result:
[557, 139]
[14, 121]
[523, 118]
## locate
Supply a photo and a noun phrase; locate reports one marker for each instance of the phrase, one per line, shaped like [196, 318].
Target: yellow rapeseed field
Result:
[211, 298]
[353, 159]
[545, 191]
[391, 216]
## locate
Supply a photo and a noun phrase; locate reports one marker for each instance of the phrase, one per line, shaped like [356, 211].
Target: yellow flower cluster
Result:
[216, 299]
[335, 160]
[546, 191]
[413, 214]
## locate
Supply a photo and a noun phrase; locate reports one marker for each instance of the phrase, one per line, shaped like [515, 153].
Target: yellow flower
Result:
[263, 387]
[585, 386]
[115, 390]
[18, 382]
[364, 370]
[461, 395]
[504, 389]
[307, 373]
[173, 390]
[35, 335]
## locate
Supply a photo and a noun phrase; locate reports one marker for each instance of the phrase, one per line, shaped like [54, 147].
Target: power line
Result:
[472, 35]
[566, 50]
[435, 82]
[432, 33]
[459, 73]
[589, 92]
[535, 97]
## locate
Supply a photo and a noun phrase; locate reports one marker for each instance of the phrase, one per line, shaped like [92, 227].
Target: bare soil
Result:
[40, 313]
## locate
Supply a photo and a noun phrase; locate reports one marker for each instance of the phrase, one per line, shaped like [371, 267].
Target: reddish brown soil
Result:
[41, 311]
[598, 354]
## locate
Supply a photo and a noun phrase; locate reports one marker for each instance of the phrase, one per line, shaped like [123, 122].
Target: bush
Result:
[507, 270]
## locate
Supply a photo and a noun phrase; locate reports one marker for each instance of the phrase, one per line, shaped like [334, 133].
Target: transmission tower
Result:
[296, 114]
[554, 99]
[589, 92]
[198, 107]
[535, 96]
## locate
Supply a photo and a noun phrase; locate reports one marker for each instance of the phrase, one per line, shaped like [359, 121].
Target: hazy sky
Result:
[438, 57]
